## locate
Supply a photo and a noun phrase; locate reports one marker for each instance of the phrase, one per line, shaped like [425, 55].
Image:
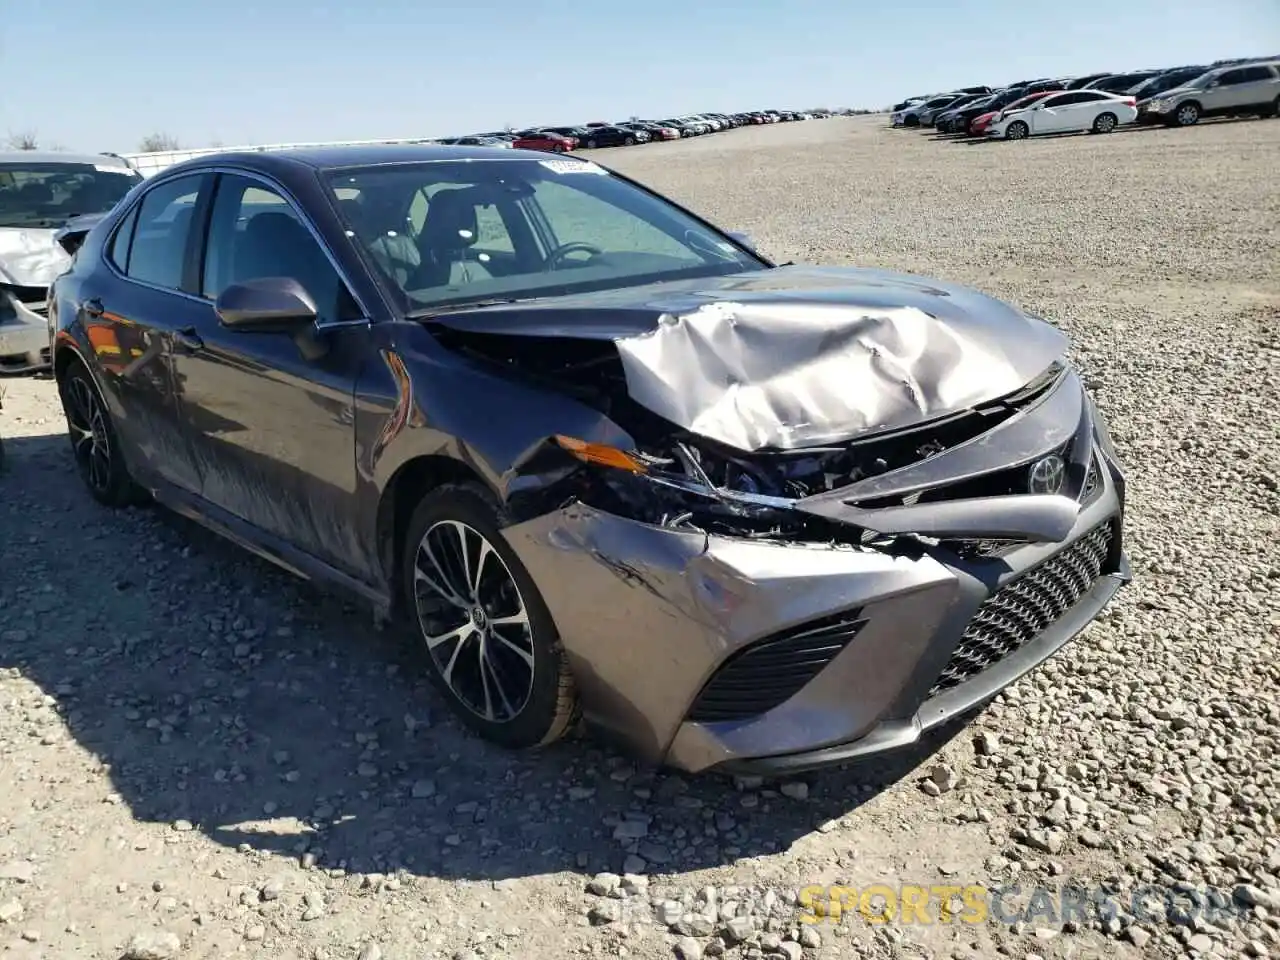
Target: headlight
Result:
[689, 486]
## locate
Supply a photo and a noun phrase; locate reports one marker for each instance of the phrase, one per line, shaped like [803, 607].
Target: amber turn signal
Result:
[601, 454]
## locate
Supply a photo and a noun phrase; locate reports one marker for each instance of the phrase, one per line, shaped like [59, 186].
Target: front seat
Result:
[448, 233]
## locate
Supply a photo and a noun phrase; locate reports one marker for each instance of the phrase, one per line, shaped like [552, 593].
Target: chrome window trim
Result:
[366, 317]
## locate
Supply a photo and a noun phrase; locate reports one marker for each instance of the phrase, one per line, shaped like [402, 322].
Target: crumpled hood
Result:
[30, 257]
[796, 356]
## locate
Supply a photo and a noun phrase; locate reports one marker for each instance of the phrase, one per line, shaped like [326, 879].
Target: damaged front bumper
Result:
[24, 330]
[704, 651]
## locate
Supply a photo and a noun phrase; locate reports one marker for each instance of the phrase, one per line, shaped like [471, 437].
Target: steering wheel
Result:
[556, 256]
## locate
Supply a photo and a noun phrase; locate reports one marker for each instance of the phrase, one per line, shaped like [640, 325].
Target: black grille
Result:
[1021, 610]
[771, 671]
[1092, 481]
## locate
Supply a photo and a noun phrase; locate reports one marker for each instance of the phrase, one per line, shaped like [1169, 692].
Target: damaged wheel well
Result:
[408, 485]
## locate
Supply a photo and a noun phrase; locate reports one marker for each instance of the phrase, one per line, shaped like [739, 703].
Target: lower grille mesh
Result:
[773, 670]
[1021, 610]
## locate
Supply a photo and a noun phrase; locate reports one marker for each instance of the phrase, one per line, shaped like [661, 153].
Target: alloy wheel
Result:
[1187, 115]
[1105, 123]
[474, 621]
[1016, 131]
[90, 441]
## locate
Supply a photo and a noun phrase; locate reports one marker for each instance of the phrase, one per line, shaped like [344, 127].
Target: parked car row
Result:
[1100, 102]
[627, 133]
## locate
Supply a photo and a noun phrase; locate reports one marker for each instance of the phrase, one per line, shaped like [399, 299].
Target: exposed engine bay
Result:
[678, 478]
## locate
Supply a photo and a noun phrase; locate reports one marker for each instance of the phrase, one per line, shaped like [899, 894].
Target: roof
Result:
[332, 157]
[58, 156]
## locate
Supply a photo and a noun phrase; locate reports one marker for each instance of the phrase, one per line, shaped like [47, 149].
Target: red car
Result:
[980, 123]
[544, 140]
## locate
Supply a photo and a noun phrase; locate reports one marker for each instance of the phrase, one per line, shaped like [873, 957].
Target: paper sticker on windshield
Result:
[573, 166]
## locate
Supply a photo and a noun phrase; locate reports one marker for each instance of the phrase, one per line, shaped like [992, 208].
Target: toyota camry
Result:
[599, 459]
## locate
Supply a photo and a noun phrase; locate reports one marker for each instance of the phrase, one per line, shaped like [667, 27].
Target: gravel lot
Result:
[202, 758]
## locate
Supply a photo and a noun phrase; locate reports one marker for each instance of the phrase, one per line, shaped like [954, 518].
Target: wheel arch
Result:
[401, 495]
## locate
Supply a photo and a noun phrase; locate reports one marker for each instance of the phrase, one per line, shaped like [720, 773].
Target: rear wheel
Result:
[591, 143]
[94, 442]
[1105, 123]
[1187, 115]
[491, 644]
[1018, 130]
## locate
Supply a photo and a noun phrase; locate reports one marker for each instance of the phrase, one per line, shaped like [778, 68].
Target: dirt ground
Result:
[201, 757]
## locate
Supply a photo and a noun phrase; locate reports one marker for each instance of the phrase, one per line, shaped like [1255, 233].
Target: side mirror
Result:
[267, 303]
[744, 238]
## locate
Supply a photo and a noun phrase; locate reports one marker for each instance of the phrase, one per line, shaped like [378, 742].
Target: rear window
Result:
[48, 194]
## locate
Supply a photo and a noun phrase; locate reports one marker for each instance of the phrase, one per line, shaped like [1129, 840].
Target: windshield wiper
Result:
[426, 313]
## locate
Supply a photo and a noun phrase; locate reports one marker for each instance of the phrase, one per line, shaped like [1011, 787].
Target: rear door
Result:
[140, 315]
[1259, 86]
[273, 413]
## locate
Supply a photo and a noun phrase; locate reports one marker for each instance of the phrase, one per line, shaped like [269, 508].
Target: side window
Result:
[255, 233]
[1231, 78]
[582, 218]
[1254, 74]
[1050, 102]
[119, 250]
[162, 230]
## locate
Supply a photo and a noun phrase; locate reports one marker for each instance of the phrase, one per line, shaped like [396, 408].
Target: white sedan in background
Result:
[1071, 111]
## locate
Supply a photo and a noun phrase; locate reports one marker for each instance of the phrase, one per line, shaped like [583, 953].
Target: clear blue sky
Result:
[100, 74]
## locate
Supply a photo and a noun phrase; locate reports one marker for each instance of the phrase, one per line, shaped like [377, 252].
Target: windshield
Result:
[447, 233]
[49, 194]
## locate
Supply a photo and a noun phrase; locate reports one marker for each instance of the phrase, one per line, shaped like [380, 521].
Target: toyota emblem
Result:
[1046, 476]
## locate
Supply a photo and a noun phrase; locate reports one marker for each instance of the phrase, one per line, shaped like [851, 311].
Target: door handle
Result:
[188, 339]
[92, 307]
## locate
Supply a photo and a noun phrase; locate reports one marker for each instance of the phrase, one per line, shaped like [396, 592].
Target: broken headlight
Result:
[678, 489]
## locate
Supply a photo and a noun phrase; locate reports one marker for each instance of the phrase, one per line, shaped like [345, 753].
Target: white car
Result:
[1071, 111]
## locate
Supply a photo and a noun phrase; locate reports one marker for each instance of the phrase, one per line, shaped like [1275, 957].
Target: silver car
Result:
[1243, 89]
[40, 193]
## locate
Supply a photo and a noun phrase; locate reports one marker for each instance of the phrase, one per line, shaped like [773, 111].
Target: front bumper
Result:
[652, 619]
[24, 335]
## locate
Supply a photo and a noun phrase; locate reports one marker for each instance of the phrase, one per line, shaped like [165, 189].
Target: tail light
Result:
[1131, 101]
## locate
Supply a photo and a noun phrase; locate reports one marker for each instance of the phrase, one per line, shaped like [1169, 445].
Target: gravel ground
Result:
[202, 757]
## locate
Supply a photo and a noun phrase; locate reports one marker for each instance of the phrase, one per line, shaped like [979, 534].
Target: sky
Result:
[98, 75]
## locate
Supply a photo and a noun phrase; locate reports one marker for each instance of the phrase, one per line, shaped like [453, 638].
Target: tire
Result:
[591, 143]
[1105, 123]
[538, 703]
[1274, 112]
[911, 121]
[630, 141]
[95, 445]
[1187, 114]
[1018, 130]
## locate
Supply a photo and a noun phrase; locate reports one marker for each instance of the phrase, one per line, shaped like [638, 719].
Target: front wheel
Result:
[1105, 123]
[591, 144]
[491, 644]
[630, 141]
[1018, 130]
[95, 444]
[1187, 115]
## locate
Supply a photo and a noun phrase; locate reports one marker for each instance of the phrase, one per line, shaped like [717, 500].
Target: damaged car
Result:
[600, 459]
[40, 193]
